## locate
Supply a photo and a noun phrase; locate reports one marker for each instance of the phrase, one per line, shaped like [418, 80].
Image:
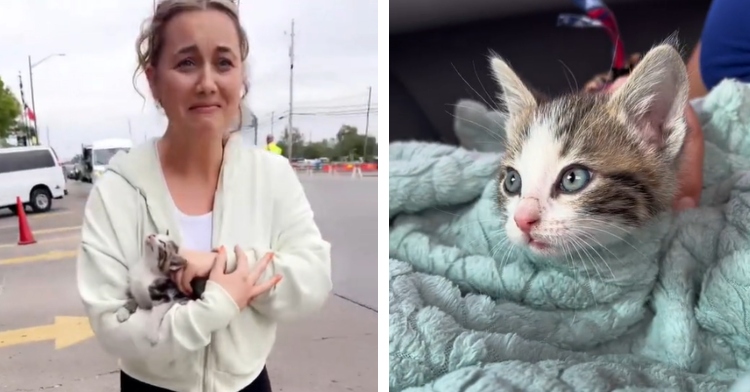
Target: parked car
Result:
[74, 172]
[32, 174]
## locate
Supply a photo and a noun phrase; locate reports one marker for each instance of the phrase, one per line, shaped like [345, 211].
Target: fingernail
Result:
[685, 203]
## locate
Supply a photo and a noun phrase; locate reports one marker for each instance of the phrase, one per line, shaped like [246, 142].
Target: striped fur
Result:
[630, 141]
[150, 281]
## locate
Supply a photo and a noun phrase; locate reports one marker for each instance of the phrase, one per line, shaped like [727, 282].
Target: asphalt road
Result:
[45, 343]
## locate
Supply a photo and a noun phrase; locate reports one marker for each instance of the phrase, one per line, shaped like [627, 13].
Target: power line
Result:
[271, 120]
[325, 109]
[337, 113]
[353, 97]
[336, 107]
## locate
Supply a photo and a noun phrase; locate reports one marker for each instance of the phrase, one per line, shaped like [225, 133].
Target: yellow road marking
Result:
[46, 231]
[65, 331]
[46, 215]
[44, 241]
[33, 217]
[56, 230]
[49, 256]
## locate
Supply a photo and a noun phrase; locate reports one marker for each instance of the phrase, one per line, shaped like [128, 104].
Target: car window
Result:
[26, 160]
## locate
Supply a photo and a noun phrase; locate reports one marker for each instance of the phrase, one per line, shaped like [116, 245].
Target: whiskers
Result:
[590, 239]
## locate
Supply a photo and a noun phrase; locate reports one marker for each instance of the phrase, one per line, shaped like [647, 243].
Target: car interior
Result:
[438, 51]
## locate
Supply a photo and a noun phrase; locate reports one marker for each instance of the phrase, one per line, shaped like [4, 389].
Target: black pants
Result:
[129, 384]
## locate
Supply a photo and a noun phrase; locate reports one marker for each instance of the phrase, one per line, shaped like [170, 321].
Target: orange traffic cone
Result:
[25, 236]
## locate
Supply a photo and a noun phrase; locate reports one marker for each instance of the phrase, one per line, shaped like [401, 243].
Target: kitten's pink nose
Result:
[527, 214]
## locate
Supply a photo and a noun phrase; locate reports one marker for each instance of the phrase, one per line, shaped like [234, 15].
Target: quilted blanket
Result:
[663, 310]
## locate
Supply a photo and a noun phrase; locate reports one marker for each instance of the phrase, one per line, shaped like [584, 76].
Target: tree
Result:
[351, 145]
[348, 145]
[10, 109]
[298, 143]
[319, 149]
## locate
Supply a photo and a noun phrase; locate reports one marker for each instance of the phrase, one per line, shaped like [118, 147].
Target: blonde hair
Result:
[150, 42]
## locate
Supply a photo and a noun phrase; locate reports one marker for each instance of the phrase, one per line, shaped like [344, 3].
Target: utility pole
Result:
[272, 121]
[367, 123]
[31, 85]
[291, 90]
[24, 116]
[31, 82]
[130, 131]
[256, 132]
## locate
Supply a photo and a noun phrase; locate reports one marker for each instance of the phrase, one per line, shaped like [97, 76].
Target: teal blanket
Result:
[666, 311]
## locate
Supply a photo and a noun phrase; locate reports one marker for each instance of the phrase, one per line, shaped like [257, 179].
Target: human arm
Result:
[301, 256]
[108, 239]
[695, 80]
[690, 174]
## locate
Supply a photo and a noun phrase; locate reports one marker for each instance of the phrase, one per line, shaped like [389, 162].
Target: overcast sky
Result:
[88, 94]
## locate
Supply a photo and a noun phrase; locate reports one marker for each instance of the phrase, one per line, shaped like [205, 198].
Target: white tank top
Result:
[196, 230]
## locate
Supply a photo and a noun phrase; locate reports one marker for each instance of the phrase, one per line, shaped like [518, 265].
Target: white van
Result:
[96, 156]
[32, 173]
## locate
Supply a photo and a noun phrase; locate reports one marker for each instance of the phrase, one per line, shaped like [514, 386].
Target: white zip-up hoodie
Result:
[207, 345]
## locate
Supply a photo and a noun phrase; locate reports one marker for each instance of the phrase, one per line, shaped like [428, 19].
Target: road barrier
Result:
[356, 169]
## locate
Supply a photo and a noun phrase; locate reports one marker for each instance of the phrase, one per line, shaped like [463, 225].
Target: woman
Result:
[209, 192]
[723, 51]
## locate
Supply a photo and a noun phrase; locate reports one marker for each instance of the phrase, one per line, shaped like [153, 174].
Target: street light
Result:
[31, 82]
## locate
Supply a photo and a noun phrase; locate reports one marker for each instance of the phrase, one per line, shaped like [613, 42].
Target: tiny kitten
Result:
[150, 285]
[586, 169]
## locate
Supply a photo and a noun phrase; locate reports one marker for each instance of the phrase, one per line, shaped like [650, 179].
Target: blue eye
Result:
[575, 179]
[512, 182]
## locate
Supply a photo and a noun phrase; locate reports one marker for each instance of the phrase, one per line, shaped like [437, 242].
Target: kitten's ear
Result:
[654, 97]
[516, 96]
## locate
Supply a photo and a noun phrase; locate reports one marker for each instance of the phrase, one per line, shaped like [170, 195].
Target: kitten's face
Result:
[160, 248]
[584, 170]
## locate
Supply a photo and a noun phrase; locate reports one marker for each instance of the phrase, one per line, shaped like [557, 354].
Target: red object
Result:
[25, 236]
[30, 114]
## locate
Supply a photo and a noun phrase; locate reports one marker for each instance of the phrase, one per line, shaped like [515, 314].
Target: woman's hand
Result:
[198, 266]
[690, 174]
[242, 284]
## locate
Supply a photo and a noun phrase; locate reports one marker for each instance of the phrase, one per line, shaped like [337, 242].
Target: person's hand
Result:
[242, 283]
[690, 175]
[690, 172]
[198, 266]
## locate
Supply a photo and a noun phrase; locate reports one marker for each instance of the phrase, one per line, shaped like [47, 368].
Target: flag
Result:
[29, 113]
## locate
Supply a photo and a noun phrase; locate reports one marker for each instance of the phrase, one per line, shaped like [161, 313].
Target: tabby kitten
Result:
[585, 169]
[150, 284]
